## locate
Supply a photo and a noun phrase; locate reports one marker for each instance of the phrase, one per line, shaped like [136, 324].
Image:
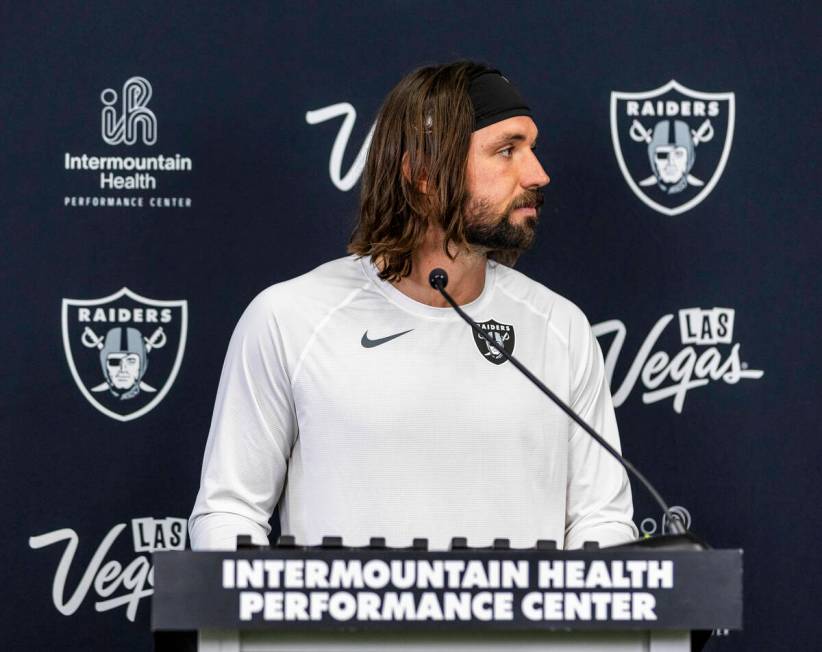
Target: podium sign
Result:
[355, 589]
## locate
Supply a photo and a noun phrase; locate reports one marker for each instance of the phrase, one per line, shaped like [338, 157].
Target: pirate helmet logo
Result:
[124, 359]
[503, 337]
[125, 331]
[671, 153]
[672, 143]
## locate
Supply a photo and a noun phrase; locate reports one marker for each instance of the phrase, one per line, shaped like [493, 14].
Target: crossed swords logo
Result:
[93, 341]
[640, 134]
[492, 351]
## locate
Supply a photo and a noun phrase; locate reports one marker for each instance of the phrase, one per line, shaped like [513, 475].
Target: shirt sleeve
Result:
[252, 432]
[599, 505]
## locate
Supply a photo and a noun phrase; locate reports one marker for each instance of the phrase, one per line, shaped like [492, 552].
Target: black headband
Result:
[494, 99]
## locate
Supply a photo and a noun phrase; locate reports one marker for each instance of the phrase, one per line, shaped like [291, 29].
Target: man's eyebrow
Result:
[508, 137]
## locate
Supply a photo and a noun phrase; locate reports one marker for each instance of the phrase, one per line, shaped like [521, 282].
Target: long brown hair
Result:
[428, 118]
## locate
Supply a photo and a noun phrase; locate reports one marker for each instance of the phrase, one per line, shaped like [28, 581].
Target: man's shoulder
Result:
[295, 308]
[324, 286]
[561, 313]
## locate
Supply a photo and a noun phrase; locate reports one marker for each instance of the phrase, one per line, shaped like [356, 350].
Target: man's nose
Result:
[534, 175]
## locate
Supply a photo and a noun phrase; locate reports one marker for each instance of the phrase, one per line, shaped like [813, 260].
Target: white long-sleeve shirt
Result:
[426, 434]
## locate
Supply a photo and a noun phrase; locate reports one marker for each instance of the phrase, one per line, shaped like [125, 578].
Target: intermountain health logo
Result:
[132, 176]
[708, 354]
[672, 143]
[116, 584]
[124, 350]
[134, 115]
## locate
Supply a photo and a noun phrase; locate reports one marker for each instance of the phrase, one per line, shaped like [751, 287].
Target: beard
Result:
[495, 232]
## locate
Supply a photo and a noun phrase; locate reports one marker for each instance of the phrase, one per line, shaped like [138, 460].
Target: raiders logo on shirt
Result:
[502, 334]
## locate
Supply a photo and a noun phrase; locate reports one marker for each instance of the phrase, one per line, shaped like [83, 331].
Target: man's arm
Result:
[599, 506]
[252, 431]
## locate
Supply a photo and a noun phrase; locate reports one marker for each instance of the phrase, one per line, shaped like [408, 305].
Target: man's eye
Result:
[507, 152]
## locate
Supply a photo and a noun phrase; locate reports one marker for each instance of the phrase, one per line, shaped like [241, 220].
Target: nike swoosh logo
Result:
[369, 343]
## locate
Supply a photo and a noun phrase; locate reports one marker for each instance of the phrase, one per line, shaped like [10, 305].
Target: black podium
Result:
[412, 599]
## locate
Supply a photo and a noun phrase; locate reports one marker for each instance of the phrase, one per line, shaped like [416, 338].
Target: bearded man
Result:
[354, 400]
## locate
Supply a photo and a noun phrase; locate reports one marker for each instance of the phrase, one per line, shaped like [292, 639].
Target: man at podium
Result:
[355, 400]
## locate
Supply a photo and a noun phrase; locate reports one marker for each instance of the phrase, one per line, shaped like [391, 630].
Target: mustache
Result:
[528, 199]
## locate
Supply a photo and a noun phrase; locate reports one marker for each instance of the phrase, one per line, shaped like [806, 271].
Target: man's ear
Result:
[422, 184]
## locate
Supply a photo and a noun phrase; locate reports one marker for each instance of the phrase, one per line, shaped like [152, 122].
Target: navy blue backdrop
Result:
[704, 297]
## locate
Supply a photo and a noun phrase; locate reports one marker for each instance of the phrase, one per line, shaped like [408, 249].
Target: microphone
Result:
[438, 278]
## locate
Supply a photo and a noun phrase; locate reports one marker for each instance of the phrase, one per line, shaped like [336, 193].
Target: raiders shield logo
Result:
[672, 143]
[502, 334]
[124, 350]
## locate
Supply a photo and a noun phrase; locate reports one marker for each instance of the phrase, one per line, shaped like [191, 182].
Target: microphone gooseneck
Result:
[438, 278]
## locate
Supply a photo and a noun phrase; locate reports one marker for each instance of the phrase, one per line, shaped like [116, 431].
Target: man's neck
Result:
[466, 273]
